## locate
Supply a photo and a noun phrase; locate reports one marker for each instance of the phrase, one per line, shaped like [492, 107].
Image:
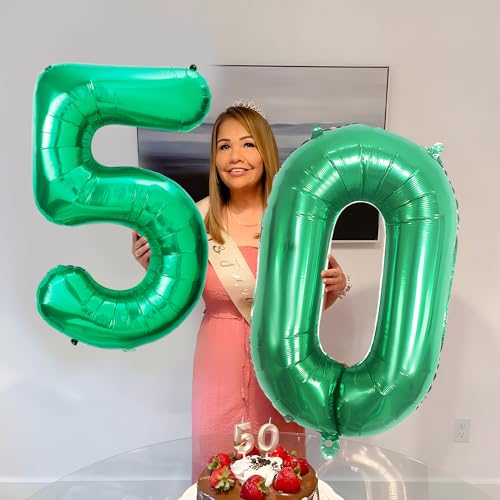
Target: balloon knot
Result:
[435, 150]
[316, 131]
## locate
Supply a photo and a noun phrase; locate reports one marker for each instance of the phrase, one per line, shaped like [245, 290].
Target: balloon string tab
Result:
[330, 445]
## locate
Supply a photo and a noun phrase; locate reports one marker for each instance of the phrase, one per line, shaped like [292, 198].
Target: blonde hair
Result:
[260, 130]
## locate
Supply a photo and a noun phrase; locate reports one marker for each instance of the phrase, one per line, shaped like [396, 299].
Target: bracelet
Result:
[342, 293]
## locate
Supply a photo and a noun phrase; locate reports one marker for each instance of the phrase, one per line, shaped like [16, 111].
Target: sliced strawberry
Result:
[222, 479]
[287, 481]
[290, 461]
[303, 465]
[279, 452]
[254, 488]
[219, 460]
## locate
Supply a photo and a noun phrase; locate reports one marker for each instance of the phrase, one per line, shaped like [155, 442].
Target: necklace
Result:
[238, 222]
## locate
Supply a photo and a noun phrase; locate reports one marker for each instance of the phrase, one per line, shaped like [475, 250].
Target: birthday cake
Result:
[267, 471]
[257, 477]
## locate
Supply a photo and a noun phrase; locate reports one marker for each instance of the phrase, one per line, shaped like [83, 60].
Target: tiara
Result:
[242, 103]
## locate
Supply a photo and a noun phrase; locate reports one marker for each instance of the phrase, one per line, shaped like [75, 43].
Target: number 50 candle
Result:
[244, 441]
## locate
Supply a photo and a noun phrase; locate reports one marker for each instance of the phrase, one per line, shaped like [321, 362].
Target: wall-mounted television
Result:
[294, 99]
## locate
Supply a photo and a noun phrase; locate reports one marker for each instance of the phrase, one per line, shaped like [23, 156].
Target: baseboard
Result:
[19, 491]
[491, 488]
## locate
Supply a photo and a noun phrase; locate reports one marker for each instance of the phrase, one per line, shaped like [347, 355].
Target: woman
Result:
[243, 163]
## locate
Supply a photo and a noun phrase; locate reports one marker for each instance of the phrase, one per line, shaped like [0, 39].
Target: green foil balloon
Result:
[409, 187]
[71, 103]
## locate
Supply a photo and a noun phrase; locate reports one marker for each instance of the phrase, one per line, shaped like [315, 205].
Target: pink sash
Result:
[231, 268]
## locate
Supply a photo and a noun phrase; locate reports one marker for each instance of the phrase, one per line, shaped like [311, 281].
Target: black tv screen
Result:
[357, 222]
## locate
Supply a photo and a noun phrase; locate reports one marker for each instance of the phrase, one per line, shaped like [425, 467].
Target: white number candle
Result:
[261, 438]
[243, 441]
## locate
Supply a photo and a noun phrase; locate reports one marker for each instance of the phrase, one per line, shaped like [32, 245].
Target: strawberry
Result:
[290, 461]
[303, 465]
[279, 452]
[287, 481]
[254, 488]
[219, 460]
[222, 479]
[253, 451]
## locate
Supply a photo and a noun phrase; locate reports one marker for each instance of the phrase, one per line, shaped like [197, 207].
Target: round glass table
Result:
[163, 472]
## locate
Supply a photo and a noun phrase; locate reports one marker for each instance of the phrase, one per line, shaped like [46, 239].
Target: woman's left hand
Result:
[335, 281]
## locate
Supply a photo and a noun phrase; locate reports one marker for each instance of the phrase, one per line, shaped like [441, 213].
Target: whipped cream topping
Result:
[254, 464]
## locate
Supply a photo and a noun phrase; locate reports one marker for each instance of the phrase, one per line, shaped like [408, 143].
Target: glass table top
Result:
[163, 472]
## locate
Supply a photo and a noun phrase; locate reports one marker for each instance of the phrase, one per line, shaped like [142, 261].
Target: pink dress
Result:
[225, 388]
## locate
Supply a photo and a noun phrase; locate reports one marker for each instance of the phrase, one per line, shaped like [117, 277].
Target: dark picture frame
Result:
[294, 99]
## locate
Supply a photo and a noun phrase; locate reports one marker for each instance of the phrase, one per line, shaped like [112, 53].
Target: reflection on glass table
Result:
[163, 472]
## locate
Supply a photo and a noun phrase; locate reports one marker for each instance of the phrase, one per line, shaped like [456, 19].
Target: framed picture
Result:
[294, 99]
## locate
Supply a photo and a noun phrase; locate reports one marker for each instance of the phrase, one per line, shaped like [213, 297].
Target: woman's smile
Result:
[237, 171]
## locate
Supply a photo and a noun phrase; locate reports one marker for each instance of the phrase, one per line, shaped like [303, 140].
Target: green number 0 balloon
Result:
[71, 102]
[408, 185]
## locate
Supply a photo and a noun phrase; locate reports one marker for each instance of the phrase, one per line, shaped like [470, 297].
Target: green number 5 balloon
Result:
[71, 102]
[408, 185]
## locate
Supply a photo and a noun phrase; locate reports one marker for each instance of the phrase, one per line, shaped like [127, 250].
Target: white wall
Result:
[62, 407]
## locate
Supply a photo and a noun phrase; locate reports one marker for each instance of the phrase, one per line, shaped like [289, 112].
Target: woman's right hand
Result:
[140, 249]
